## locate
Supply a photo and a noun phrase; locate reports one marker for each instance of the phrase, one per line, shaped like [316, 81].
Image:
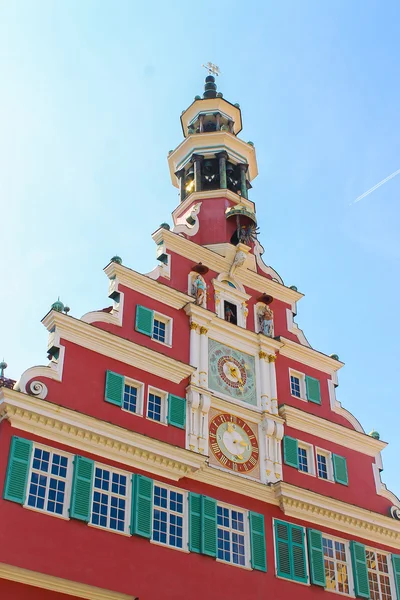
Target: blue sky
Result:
[90, 102]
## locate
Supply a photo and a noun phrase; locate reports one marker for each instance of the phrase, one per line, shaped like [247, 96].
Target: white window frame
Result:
[226, 293]
[309, 448]
[246, 534]
[389, 573]
[128, 499]
[302, 378]
[329, 464]
[168, 328]
[68, 481]
[139, 397]
[185, 517]
[164, 405]
[348, 564]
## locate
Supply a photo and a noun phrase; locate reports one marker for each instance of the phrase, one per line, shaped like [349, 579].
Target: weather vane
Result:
[212, 69]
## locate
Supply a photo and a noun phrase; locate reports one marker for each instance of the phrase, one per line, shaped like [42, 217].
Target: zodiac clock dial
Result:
[231, 372]
[233, 443]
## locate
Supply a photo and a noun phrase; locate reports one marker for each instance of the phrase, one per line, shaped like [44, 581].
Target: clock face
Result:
[233, 443]
[231, 372]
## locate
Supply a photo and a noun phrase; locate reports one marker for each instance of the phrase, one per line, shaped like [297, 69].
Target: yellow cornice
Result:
[57, 584]
[309, 356]
[88, 434]
[339, 516]
[326, 430]
[91, 337]
[220, 264]
[195, 197]
[149, 287]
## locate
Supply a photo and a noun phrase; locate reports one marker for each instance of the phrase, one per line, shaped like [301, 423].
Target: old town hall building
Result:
[186, 441]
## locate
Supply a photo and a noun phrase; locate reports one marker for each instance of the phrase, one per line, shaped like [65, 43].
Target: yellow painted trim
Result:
[309, 356]
[57, 584]
[88, 434]
[149, 287]
[91, 337]
[326, 430]
[220, 264]
[214, 105]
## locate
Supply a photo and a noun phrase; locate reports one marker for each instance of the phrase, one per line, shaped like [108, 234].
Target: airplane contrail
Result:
[375, 187]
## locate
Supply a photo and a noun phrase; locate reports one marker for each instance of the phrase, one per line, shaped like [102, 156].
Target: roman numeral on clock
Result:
[252, 460]
[215, 448]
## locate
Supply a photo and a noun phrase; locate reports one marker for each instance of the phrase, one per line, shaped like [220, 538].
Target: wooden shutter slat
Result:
[316, 557]
[313, 390]
[340, 469]
[257, 541]
[291, 451]
[19, 461]
[299, 554]
[360, 570]
[142, 506]
[144, 320]
[194, 522]
[114, 390]
[82, 484]
[282, 550]
[177, 411]
[396, 572]
[209, 526]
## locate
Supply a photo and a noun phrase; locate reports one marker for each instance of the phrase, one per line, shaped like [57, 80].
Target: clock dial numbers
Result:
[233, 443]
[232, 372]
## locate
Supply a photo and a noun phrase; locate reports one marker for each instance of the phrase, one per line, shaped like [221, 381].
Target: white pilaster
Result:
[278, 451]
[195, 351]
[193, 424]
[263, 369]
[205, 405]
[203, 367]
[272, 379]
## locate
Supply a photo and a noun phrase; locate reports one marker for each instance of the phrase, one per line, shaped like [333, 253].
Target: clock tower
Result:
[188, 432]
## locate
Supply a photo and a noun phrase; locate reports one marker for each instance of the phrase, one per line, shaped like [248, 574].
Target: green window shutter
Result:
[257, 542]
[144, 320]
[291, 451]
[82, 483]
[177, 411]
[194, 522]
[316, 557]
[340, 469]
[396, 572]
[360, 571]
[114, 391]
[142, 506]
[209, 526]
[19, 461]
[283, 550]
[313, 390]
[299, 554]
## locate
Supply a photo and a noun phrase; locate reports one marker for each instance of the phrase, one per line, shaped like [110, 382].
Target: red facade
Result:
[131, 390]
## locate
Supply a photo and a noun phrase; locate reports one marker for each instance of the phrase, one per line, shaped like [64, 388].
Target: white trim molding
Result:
[115, 347]
[57, 584]
[88, 434]
[147, 286]
[326, 430]
[309, 356]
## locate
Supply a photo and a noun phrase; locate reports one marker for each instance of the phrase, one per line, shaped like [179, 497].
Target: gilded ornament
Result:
[203, 330]
[271, 358]
[193, 326]
[262, 354]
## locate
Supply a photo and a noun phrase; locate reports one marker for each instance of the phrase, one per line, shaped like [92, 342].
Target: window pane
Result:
[322, 466]
[336, 567]
[303, 460]
[130, 398]
[168, 516]
[154, 407]
[230, 535]
[159, 330]
[47, 481]
[295, 386]
[109, 505]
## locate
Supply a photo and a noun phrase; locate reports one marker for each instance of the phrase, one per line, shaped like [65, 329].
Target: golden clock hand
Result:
[239, 456]
[243, 443]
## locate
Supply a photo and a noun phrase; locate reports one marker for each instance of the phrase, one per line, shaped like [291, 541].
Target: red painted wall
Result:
[10, 590]
[82, 389]
[361, 490]
[133, 565]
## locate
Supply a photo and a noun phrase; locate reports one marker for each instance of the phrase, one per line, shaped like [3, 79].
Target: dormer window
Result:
[230, 300]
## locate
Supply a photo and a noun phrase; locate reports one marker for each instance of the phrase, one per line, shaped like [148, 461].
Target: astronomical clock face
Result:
[233, 443]
[231, 372]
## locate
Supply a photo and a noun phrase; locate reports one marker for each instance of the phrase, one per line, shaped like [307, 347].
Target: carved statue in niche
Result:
[265, 320]
[199, 289]
[247, 234]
